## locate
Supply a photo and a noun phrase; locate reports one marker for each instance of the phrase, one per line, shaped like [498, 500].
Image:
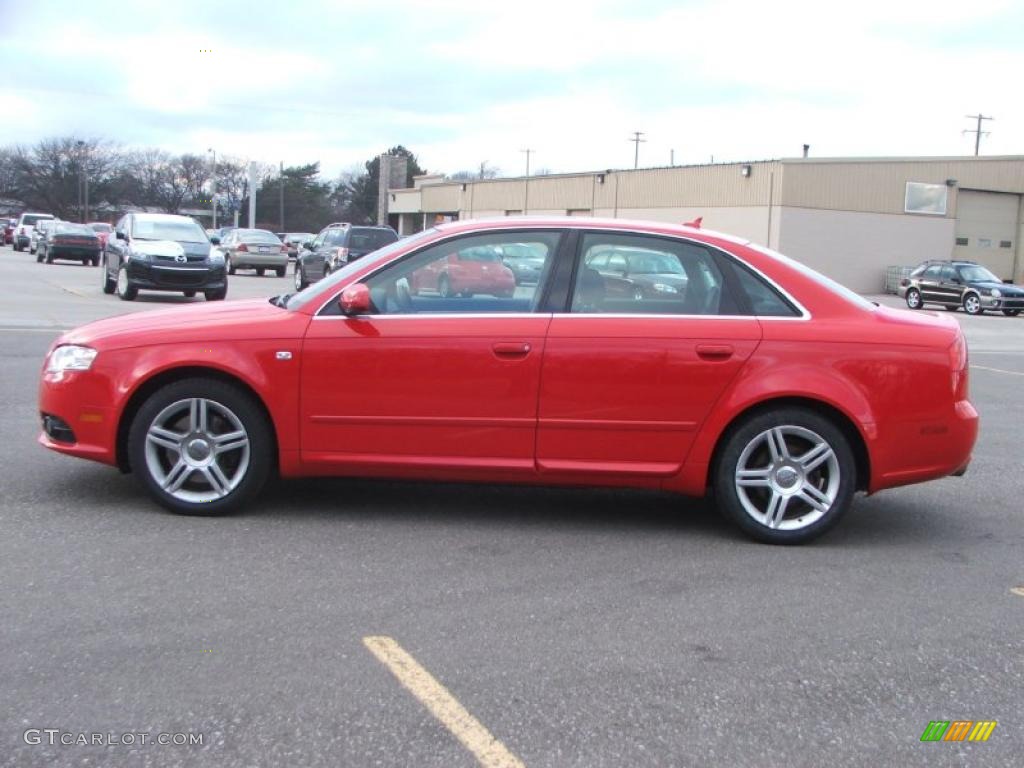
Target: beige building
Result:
[849, 218]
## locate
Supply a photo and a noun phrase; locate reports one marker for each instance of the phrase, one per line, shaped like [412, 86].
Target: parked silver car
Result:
[39, 233]
[256, 249]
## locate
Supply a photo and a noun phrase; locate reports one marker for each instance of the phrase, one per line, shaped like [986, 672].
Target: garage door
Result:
[986, 229]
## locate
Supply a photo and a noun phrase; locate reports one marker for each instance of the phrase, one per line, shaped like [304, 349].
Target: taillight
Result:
[958, 366]
[243, 247]
[342, 254]
[284, 249]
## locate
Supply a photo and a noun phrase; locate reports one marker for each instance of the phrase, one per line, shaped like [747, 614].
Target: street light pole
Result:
[280, 183]
[213, 188]
[81, 148]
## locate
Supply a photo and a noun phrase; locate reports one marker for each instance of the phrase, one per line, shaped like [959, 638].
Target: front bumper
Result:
[76, 417]
[158, 277]
[1003, 302]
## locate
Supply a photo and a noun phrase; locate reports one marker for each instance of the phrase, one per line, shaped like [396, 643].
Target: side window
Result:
[466, 275]
[919, 270]
[649, 275]
[933, 272]
[319, 240]
[948, 274]
[765, 301]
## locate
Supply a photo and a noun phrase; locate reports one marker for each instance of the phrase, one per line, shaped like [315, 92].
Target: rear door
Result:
[627, 381]
[930, 284]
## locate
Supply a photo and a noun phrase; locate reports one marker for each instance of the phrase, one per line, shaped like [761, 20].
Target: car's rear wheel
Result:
[914, 298]
[281, 271]
[48, 258]
[1011, 312]
[39, 258]
[300, 281]
[125, 290]
[260, 271]
[189, 294]
[231, 265]
[785, 476]
[107, 283]
[972, 304]
[200, 446]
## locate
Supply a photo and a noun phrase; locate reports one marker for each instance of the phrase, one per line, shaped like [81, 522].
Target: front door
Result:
[630, 375]
[428, 381]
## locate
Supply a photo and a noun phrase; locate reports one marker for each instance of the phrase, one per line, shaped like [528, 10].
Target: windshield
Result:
[30, 220]
[101, 228]
[179, 230]
[325, 286]
[258, 236]
[975, 274]
[370, 239]
[827, 282]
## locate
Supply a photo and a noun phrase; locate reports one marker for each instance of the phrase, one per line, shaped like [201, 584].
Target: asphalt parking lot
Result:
[579, 628]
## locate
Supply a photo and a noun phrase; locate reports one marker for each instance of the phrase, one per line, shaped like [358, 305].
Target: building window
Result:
[961, 241]
[926, 198]
[514, 212]
[1005, 244]
[984, 242]
[577, 212]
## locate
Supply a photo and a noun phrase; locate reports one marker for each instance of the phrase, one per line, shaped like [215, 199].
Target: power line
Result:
[636, 151]
[977, 131]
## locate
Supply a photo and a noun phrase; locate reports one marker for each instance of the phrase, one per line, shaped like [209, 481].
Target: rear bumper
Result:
[915, 451]
[243, 260]
[72, 252]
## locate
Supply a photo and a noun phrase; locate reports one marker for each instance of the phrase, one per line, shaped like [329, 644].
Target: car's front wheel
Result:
[200, 446]
[125, 290]
[914, 298]
[972, 304]
[300, 281]
[107, 283]
[785, 476]
[218, 294]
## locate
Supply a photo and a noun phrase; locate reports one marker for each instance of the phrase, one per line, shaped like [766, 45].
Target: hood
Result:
[170, 248]
[204, 323]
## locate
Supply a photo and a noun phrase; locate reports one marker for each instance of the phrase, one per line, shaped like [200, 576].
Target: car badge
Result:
[181, 258]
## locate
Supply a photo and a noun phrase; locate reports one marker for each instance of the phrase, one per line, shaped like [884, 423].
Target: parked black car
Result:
[162, 252]
[65, 240]
[336, 246]
[955, 284]
[525, 262]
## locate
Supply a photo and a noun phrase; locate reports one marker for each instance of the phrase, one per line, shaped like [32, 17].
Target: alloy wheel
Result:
[972, 304]
[913, 299]
[787, 478]
[197, 450]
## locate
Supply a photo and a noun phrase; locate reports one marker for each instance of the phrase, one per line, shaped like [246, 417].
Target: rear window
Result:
[765, 301]
[258, 236]
[30, 220]
[826, 282]
[67, 228]
[370, 239]
[101, 228]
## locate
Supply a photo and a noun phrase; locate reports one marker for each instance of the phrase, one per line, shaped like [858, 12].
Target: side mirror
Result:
[355, 300]
[308, 245]
[120, 235]
[214, 240]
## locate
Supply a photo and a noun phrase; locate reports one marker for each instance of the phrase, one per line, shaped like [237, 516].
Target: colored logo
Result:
[959, 730]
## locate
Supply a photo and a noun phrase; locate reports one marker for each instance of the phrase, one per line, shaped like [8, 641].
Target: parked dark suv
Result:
[162, 252]
[955, 284]
[336, 246]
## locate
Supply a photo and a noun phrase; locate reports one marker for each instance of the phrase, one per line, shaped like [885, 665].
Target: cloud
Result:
[460, 82]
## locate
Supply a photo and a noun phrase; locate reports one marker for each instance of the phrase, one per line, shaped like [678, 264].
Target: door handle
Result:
[714, 351]
[511, 349]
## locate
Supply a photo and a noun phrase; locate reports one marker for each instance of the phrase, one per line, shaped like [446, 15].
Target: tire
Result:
[125, 290]
[914, 299]
[260, 271]
[95, 261]
[107, 283]
[231, 266]
[300, 281]
[281, 271]
[189, 294]
[48, 258]
[952, 308]
[216, 295]
[39, 258]
[752, 502]
[86, 262]
[972, 304]
[1011, 312]
[161, 459]
[444, 287]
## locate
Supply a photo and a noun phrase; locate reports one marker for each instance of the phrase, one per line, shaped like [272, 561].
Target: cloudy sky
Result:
[465, 81]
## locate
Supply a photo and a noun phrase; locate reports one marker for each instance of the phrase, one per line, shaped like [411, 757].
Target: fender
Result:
[763, 379]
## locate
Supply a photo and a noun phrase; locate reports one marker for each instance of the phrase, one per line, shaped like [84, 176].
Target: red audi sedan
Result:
[754, 378]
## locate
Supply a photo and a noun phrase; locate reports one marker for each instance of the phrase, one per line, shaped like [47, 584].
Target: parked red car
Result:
[757, 378]
[102, 230]
[9, 227]
[467, 272]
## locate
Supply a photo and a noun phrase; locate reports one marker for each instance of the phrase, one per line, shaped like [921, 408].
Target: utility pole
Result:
[280, 184]
[636, 151]
[977, 131]
[213, 188]
[81, 149]
[252, 194]
[526, 184]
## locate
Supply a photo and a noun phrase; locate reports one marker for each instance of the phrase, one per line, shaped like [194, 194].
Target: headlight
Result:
[216, 256]
[662, 288]
[996, 292]
[70, 358]
[137, 256]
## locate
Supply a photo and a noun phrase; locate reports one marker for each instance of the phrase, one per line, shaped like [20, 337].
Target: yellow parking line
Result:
[997, 370]
[488, 751]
